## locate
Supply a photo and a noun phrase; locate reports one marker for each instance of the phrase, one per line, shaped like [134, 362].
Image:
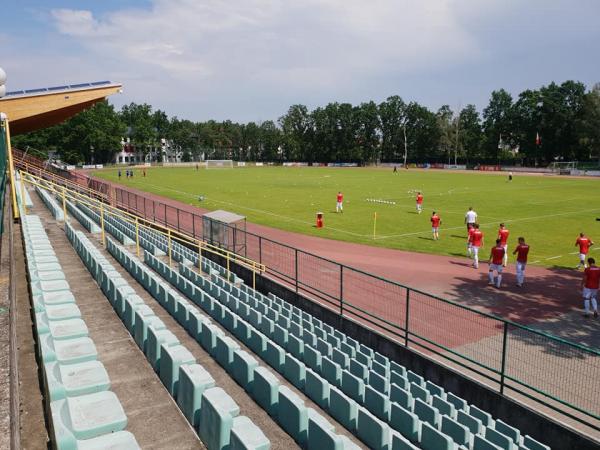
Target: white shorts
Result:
[419, 206]
[521, 266]
[582, 256]
[589, 293]
[497, 267]
[435, 229]
[505, 247]
[339, 205]
[475, 250]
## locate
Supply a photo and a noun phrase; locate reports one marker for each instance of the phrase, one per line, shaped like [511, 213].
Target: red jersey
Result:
[435, 221]
[477, 238]
[584, 244]
[497, 255]
[419, 199]
[592, 277]
[340, 198]
[503, 235]
[470, 235]
[522, 252]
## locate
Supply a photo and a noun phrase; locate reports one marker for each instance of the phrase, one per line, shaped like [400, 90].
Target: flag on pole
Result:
[538, 139]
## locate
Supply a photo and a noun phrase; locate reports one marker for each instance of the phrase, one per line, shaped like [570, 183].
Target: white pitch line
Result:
[554, 257]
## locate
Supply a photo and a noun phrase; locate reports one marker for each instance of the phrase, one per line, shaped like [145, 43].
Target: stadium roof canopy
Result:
[34, 109]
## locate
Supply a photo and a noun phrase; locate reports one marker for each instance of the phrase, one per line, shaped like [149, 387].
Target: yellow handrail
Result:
[104, 209]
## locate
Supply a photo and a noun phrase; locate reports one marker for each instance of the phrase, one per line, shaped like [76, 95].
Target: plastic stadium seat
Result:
[121, 440]
[193, 381]
[359, 370]
[434, 389]
[474, 425]
[532, 444]
[331, 371]
[225, 347]
[293, 415]
[317, 389]
[507, 430]
[295, 372]
[86, 417]
[484, 417]
[245, 435]
[171, 359]
[401, 443]
[427, 413]
[432, 439]
[443, 406]
[399, 380]
[377, 403]
[480, 443]
[156, 338]
[420, 393]
[75, 379]
[460, 434]
[216, 418]
[415, 378]
[275, 356]
[458, 402]
[343, 409]
[70, 351]
[353, 386]
[499, 439]
[312, 358]
[405, 422]
[265, 390]
[379, 382]
[372, 431]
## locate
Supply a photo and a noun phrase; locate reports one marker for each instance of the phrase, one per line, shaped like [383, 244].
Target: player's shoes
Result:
[595, 314]
[490, 283]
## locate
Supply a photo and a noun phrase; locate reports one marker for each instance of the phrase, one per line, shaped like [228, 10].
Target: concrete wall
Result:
[550, 432]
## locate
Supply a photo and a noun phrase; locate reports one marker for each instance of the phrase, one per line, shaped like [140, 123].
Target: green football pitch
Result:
[549, 211]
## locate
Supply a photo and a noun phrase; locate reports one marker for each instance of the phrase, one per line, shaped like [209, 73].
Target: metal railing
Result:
[139, 224]
[507, 356]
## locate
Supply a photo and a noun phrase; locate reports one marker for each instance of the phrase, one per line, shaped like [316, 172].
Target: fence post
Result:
[228, 271]
[64, 204]
[137, 236]
[102, 223]
[406, 317]
[503, 368]
[22, 182]
[200, 257]
[178, 227]
[296, 277]
[170, 259]
[253, 275]
[341, 290]
[166, 221]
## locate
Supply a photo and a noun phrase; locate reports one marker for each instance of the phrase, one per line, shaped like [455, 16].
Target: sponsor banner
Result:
[241, 164]
[71, 167]
[88, 166]
[526, 169]
[99, 166]
[259, 164]
[342, 164]
[593, 173]
[295, 164]
[455, 166]
[488, 168]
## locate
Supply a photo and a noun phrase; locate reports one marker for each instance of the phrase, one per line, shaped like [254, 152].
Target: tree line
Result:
[555, 122]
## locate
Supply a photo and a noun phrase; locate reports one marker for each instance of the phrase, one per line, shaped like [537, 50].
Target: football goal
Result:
[219, 164]
[563, 167]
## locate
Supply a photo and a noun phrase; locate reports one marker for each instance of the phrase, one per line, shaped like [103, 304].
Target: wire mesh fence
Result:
[556, 373]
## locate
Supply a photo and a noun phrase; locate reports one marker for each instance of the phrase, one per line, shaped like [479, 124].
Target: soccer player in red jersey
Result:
[339, 206]
[522, 250]
[419, 203]
[435, 225]
[584, 244]
[476, 244]
[503, 236]
[495, 262]
[469, 242]
[590, 284]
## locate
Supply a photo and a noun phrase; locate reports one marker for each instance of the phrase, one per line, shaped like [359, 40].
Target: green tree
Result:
[392, 114]
[497, 124]
[470, 133]
[296, 125]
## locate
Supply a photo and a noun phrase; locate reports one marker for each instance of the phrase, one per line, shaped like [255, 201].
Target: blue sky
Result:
[250, 59]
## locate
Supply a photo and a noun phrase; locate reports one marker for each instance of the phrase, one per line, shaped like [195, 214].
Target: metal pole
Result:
[341, 290]
[102, 223]
[228, 271]
[170, 259]
[22, 184]
[64, 202]
[260, 250]
[137, 236]
[296, 253]
[253, 275]
[199, 256]
[11, 169]
[503, 368]
[406, 318]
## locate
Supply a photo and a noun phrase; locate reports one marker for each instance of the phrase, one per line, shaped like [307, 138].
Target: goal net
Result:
[219, 164]
[563, 167]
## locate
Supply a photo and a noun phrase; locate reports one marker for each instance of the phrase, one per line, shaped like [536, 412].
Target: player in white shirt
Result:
[470, 218]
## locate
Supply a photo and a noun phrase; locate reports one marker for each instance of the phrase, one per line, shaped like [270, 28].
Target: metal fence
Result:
[508, 357]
